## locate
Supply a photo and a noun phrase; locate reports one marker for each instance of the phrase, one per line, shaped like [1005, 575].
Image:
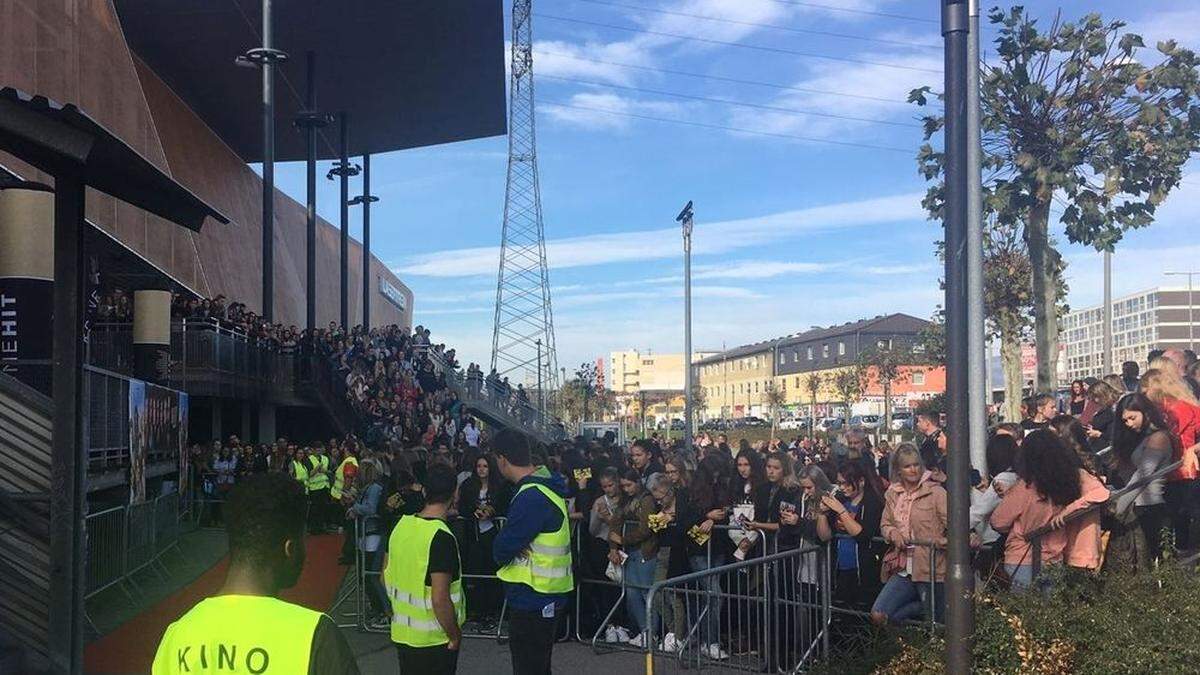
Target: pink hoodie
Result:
[1023, 510]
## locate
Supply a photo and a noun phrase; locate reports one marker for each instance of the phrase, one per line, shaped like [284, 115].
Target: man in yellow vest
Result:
[423, 578]
[533, 551]
[343, 480]
[244, 628]
[318, 489]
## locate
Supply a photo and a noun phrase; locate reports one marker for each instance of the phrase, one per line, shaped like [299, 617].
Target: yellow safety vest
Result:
[319, 481]
[239, 634]
[413, 620]
[547, 568]
[301, 473]
[339, 478]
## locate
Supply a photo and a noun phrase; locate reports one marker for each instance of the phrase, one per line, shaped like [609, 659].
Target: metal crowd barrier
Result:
[125, 540]
[776, 609]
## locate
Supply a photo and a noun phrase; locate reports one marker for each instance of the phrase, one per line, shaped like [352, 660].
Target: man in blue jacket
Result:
[533, 551]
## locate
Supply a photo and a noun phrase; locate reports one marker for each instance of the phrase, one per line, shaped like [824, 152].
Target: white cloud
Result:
[708, 238]
[892, 85]
[885, 270]
[589, 111]
[1181, 25]
[759, 269]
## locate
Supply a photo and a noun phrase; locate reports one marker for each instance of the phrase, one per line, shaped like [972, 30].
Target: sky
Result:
[802, 220]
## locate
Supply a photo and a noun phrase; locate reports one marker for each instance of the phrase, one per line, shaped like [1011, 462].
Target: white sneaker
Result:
[714, 652]
[670, 644]
[610, 634]
[622, 634]
[638, 641]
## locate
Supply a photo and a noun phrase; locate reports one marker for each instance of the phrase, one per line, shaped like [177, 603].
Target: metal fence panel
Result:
[105, 549]
[140, 537]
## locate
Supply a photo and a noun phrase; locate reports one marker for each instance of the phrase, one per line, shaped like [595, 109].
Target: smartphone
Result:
[787, 507]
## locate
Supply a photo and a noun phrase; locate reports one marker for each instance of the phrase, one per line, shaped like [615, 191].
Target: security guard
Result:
[533, 551]
[244, 627]
[339, 476]
[424, 581]
[318, 489]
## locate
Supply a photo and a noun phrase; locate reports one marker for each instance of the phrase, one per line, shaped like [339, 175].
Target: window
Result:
[841, 349]
[884, 344]
[918, 379]
[797, 382]
[647, 362]
[810, 353]
[756, 387]
[825, 351]
[782, 358]
[795, 356]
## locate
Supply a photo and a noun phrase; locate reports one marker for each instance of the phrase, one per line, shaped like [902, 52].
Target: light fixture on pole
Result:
[1191, 322]
[685, 219]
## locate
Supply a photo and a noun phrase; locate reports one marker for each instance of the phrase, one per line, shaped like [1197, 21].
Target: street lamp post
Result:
[685, 218]
[1191, 323]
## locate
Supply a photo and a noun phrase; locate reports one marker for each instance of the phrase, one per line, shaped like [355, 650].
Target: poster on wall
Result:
[184, 458]
[137, 441]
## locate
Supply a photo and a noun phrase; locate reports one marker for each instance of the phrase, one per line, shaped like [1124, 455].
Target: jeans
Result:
[899, 599]
[937, 604]
[435, 660]
[639, 577]
[376, 594]
[710, 631]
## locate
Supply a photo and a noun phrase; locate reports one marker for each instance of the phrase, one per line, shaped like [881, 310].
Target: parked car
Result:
[870, 422]
[715, 424]
[793, 424]
[752, 421]
[902, 421]
[830, 424]
[677, 425]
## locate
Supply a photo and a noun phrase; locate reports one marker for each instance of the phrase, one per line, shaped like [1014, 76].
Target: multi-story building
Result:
[1159, 318]
[737, 382]
[632, 371]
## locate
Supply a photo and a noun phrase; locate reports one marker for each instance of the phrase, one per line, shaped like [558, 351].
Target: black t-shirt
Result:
[331, 654]
[443, 555]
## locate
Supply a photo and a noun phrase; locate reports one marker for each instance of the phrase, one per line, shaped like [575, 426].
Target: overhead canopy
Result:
[47, 135]
[409, 73]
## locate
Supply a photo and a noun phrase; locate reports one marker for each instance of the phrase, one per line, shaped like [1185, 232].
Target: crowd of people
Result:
[653, 510]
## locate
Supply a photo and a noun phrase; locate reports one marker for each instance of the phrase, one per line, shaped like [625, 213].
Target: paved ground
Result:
[376, 656]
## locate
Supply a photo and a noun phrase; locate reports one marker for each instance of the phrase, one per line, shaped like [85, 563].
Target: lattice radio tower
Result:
[523, 314]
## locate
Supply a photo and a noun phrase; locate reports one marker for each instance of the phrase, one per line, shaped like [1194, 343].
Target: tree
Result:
[1070, 115]
[1007, 305]
[813, 384]
[699, 398]
[882, 362]
[847, 382]
[582, 394]
[775, 398]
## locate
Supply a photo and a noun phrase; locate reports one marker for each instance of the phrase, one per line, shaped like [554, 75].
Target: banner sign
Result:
[157, 433]
[25, 322]
[137, 441]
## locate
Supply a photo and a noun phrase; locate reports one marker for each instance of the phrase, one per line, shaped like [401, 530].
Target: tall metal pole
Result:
[68, 467]
[977, 393]
[344, 260]
[367, 198]
[960, 577]
[268, 194]
[685, 218]
[1108, 317]
[310, 120]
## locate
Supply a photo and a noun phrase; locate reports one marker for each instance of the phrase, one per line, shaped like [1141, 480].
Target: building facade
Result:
[1158, 318]
[737, 383]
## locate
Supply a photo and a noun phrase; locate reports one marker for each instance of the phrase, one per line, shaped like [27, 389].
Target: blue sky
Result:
[791, 231]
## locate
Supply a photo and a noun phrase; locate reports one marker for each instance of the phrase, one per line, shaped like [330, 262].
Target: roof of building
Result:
[408, 74]
[888, 323]
[50, 135]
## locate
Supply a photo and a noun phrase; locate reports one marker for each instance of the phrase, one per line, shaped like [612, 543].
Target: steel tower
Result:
[523, 314]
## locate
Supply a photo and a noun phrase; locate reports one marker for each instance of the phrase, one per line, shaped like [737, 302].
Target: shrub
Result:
[1116, 623]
